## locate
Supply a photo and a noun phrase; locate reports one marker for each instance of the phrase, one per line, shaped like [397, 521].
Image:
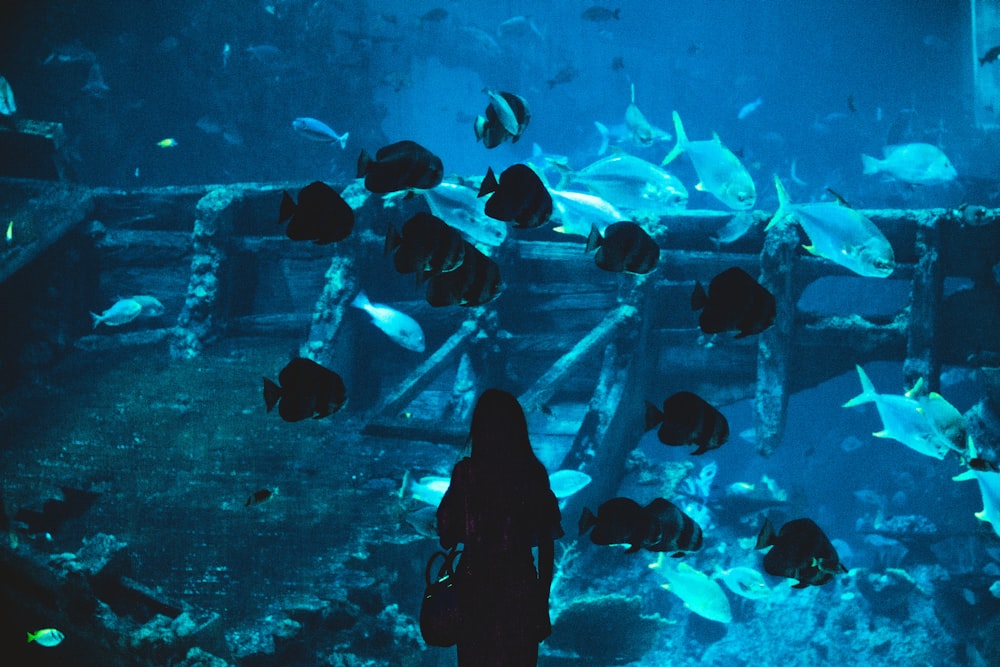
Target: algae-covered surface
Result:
[176, 448]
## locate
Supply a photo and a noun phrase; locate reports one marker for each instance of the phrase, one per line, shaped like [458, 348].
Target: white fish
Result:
[631, 183]
[122, 312]
[989, 489]
[745, 581]
[749, 108]
[7, 105]
[577, 212]
[47, 637]
[640, 131]
[505, 114]
[840, 234]
[151, 306]
[918, 163]
[565, 483]
[700, 593]
[400, 327]
[720, 171]
[902, 419]
[316, 130]
[460, 206]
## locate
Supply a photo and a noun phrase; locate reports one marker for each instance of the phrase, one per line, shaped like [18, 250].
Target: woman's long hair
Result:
[500, 443]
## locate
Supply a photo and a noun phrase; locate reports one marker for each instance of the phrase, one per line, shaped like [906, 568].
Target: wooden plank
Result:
[922, 351]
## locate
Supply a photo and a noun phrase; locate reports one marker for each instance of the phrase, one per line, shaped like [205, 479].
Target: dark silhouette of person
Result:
[499, 505]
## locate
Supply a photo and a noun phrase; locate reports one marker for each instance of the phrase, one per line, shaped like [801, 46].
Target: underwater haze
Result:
[739, 261]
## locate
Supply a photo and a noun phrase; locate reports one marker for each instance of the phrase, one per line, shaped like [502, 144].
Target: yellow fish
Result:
[169, 142]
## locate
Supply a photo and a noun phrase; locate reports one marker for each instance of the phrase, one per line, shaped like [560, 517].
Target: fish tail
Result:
[783, 203]
[272, 393]
[698, 297]
[682, 141]
[287, 209]
[868, 392]
[587, 520]
[594, 239]
[392, 240]
[342, 139]
[364, 160]
[766, 536]
[870, 165]
[489, 183]
[361, 300]
[653, 416]
[605, 136]
[96, 318]
[31, 637]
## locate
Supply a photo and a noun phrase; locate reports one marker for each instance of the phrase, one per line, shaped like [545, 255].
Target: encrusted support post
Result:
[774, 346]
[923, 359]
[328, 313]
[200, 318]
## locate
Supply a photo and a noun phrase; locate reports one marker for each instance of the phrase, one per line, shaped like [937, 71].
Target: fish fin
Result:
[653, 416]
[392, 240]
[272, 393]
[699, 186]
[605, 136]
[868, 392]
[342, 139]
[870, 165]
[287, 209]
[361, 300]
[698, 297]
[838, 197]
[634, 547]
[784, 201]
[811, 249]
[681, 144]
[587, 521]
[594, 239]
[765, 537]
[364, 160]
[882, 434]
[801, 584]
[489, 183]
[967, 475]
[917, 389]
[96, 318]
[677, 554]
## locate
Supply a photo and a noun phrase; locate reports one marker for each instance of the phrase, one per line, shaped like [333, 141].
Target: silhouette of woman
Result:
[499, 505]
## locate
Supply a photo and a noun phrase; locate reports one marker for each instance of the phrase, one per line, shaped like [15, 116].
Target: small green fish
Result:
[47, 637]
[10, 233]
[169, 142]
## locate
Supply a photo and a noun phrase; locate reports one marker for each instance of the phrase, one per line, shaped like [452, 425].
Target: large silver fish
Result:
[459, 205]
[631, 183]
[840, 234]
[918, 163]
[721, 172]
[577, 212]
[400, 327]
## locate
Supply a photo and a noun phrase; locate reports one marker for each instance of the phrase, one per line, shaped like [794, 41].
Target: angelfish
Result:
[721, 173]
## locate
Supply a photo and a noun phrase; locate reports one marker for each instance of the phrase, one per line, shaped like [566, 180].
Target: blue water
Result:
[835, 79]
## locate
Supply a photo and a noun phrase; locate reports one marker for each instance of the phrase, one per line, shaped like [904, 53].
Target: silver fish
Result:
[122, 312]
[918, 163]
[400, 327]
[721, 172]
[460, 207]
[631, 183]
[316, 130]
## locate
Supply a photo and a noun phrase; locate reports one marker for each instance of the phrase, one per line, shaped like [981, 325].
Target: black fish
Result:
[490, 129]
[307, 390]
[400, 166]
[476, 282]
[982, 465]
[990, 56]
[688, 419]
[435, 15]
[617, 64]
[519, 197]
[598, 13]
[258, 497]
[625, 247]
[801, 551]
[735, 302]
[426, 246]
[564, 75]
[321, 215]
[659, 526]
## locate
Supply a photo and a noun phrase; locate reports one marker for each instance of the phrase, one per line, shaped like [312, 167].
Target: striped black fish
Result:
[426, 245]
[519, 197]
[688, 419]
[625, 247]
[800, 550]
[475, 282]
[659, 526]
[403, 165]
[734, 302]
